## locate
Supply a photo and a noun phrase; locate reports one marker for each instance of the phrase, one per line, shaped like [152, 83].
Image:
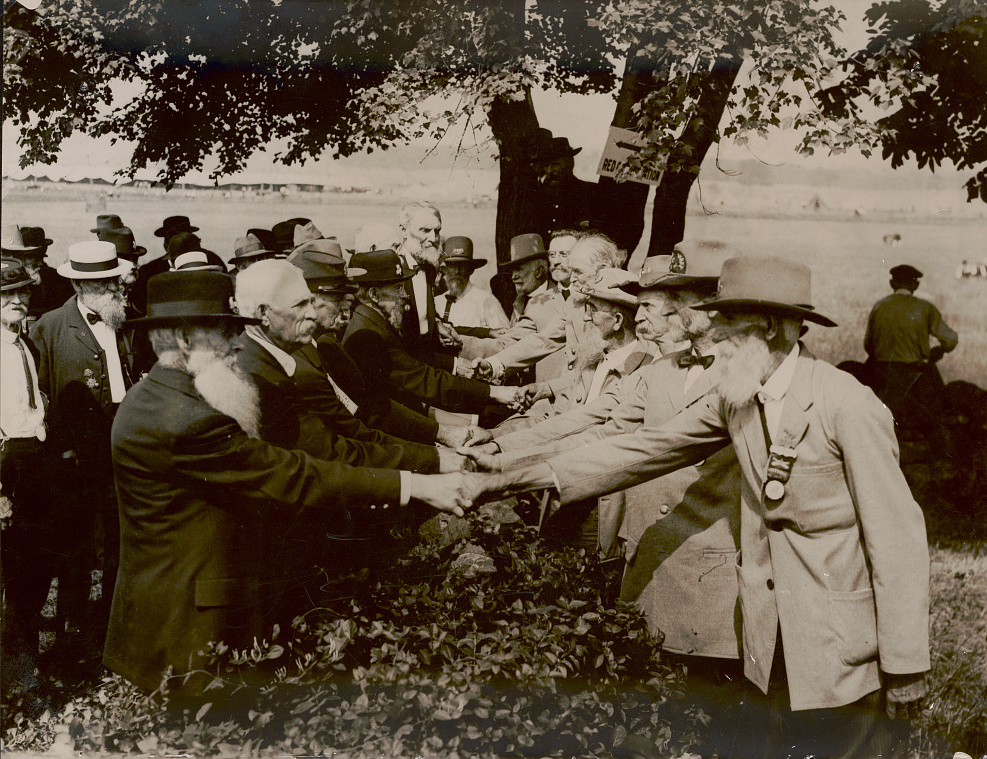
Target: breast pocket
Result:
[819, 500]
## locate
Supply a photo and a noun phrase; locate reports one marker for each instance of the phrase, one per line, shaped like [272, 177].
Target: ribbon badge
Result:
[780, 465]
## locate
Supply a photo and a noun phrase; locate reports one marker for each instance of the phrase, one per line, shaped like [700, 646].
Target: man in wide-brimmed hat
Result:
[29, 245]
[172, 226]
[471, 310]
[834, 577]
[373, 341]
[248, 251]
[86, 366]
[205, 504]
[901, 358]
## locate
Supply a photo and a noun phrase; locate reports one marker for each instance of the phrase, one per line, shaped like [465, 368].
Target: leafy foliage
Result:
[515, 649]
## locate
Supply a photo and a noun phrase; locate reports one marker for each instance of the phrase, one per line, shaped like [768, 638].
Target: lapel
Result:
[80, 328]
[639, 357]
[310, 354]
[798, 399]
[378, 322]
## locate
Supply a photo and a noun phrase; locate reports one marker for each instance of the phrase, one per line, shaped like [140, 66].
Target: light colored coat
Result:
[840, 564]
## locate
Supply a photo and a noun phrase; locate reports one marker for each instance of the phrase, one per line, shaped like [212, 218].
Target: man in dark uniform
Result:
[902, 361]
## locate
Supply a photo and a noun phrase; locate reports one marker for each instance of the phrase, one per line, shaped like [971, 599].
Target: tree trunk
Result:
[512, 123]
[672, 195]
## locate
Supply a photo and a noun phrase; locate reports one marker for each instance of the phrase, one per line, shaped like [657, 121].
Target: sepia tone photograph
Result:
[506, 378]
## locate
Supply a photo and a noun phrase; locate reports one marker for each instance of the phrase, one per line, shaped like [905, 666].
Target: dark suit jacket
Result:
[200, 504]
[381, 355]
[72, 372]
[50, 293]
[427, 347]
[287, 422]
[374, 407]
[320, 399]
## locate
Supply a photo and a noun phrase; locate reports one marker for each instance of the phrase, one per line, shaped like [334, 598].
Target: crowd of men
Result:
[216, 435]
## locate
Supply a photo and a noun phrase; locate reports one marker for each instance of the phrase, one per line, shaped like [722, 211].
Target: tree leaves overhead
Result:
[221, 79]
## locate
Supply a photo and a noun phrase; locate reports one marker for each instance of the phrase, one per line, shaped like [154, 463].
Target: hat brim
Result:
[321, 287]
[163, 232]
[519, 261]
[476, 263]
[123, 267]
[24, 248]
[150, 322]
[17, 285]
[760, 306]
[361, 280]
[672, 282]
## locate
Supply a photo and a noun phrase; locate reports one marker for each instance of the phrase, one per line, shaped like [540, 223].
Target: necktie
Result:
[92, 317]
[565, 293]
[31, 400]
[519, 305]
[691, 359]
[450, 299]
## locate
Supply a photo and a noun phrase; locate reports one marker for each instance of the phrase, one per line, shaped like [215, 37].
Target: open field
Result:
[848, 257]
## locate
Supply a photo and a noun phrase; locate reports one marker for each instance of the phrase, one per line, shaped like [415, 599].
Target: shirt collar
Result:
[7, 336]
[618, 358]
[83, 308]
[257, 335]
[781, 379]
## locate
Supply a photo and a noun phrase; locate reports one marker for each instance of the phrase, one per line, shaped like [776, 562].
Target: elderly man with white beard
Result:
[204, 504]
[85, 368]
[834, 565]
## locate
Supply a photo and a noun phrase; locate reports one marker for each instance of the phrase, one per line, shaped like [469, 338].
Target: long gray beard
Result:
[112, 308]
[224, 387]
[742, 371]
[422, 253]
[590, 350]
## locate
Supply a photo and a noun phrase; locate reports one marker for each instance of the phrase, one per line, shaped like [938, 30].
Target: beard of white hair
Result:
[423, 251]
[111, 306]
[590, 350]
[223, 385]
[742, 370]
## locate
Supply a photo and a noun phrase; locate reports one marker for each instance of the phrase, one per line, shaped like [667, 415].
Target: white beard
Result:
[742, 370]
[224, 387]
[590, 350]
[111, 307]
[422, 252]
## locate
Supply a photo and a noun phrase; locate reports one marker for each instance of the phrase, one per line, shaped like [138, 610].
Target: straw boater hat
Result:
[459, 250]
[763, 284]
[323, 267]
[18, 240]
[13, 275]
[180, 298]
[94, 260]
[378, 267]
[524, 248]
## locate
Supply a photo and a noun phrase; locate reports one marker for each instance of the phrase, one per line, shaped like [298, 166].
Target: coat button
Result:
[771, 584]
[664, 508]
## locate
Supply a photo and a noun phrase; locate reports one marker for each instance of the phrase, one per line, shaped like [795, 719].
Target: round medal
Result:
[774, 490]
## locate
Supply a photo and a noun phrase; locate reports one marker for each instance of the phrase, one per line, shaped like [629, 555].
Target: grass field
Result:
[848, 258]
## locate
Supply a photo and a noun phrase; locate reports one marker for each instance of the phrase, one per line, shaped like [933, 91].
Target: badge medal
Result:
[779, 470]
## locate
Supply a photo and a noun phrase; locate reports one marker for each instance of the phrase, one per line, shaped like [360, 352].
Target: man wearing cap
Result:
[471, 310]
[834, 567]
[203, 501]
[85, 368]
[372, 340]
[275, 293]
[900, 356]
[26, 574]
[29, 246]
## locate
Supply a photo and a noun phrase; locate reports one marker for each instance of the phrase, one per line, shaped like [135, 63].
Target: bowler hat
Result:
[177, 298]
[123, 239]
[459, 250]
[96, 259]
[16, 239]
[524, 248]
[378, 267]
[13, 275]
[611, 285]
[323, 267]
[763, 284]
[249, 248]
[104, 222]
[173, 225]
[905, 272]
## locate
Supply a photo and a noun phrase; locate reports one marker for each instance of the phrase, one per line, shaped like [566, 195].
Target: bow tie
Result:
[93, 317]
[565, 293]
[691, 359]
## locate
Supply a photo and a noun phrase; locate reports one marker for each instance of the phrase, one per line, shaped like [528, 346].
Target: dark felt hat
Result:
[766, 285]
[323, 267]
[459, 250]
[105, 222]
[13, 275]
[284, 233]
[173, 225]
[905, 273]
[524, 248]
[378, 267]
[544, 147]
[123, 239]
[183, 242]
[177, 298]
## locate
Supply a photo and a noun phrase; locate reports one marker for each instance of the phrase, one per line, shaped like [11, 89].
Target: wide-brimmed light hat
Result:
[323, 266]
[524, 248]
[94, 260]
[16, 239]
[768, 285]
